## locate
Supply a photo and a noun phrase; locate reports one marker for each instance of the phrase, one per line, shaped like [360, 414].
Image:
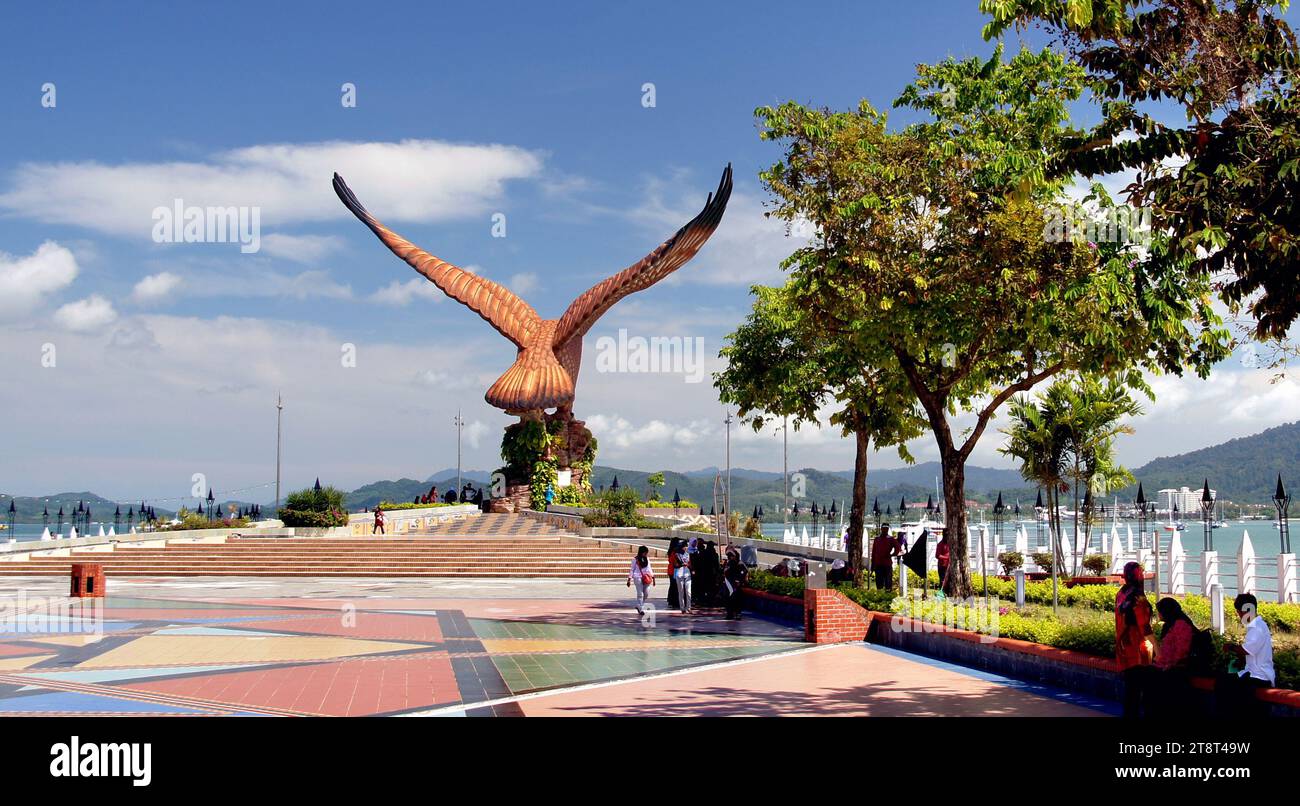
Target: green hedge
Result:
[389, 506]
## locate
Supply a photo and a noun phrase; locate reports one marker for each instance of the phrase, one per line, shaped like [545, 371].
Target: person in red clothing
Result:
[379, 521]
[882, 558]
[1133, 646]
[942, 557]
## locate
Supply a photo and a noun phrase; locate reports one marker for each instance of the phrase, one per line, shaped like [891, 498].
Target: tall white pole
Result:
[460, 421]
[785, 474]
[728, 495]
[279, 410]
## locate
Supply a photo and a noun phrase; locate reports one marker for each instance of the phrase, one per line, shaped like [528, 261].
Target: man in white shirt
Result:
[1235, 694]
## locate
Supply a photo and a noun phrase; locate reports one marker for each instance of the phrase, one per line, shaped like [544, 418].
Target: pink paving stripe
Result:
[356, 687]
[841, 681]
[383, 626]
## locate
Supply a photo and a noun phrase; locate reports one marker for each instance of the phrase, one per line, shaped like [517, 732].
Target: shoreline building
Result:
[1188, 500]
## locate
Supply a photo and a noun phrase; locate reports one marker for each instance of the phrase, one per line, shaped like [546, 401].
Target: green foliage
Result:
[930, 250]
[1229, 198]
[540, 480]
[655, 480]
[685, 504]
[617, 508]
[314, 508]
[768, 582]
[522, 445]
[1010, 561]
[572, 496]
[1042, 559]
[753, 529]
[390, 506]
[1097, 564]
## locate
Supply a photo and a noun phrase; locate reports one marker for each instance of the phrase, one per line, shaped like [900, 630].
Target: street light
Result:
[614, 484]
[999, 509]
[1038, 519]
[902, 510]
[1141, 504]
[1207, 515]
[875, 511]
[130, 519]
[13, 518]
[1283, 502]
[212, 499]
[117, 519]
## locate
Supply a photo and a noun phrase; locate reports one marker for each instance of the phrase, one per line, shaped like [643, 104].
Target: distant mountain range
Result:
[1242, 470]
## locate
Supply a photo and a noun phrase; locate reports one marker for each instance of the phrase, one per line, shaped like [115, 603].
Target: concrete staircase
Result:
[490, 546]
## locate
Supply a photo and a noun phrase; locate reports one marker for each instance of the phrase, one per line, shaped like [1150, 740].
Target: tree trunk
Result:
[957, 584]
[858, 508]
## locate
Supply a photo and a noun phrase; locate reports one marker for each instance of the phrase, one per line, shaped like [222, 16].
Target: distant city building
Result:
[1187, 500]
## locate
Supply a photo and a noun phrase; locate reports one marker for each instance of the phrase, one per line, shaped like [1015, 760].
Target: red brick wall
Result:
[830, 617]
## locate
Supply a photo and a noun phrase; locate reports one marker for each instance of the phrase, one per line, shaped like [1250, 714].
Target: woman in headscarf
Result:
[674, 546]
[1168, 689]
[1133, 646]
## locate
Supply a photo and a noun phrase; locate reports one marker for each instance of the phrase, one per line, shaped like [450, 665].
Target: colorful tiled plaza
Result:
[243, 647]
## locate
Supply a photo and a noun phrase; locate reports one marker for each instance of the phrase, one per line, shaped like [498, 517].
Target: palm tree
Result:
[1091, 417]
[1038, 442]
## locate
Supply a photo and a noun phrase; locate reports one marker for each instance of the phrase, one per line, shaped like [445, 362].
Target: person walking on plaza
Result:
[674, 546]
[642, 577]
[1252, 670]
[734, 575]
[682, 579]
[379, 521]
[882, 558]
[1133, 643]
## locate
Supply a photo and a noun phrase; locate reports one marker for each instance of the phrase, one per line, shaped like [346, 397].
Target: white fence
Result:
[1271, 578]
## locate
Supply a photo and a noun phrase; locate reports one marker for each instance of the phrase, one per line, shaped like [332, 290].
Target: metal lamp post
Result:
[212, 500]
[1038, 519]
[59, 523]
[13, 518]
[45, 518]
[1283, 502]
[130, 519]
[1207, 515]
[875, 511]
[117, 519]
[902, 510]
[999, 511]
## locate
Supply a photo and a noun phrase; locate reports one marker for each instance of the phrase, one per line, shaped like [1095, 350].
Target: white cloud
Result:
[412, 180]
[86, 315]
[402, 294]
[155, 287]
[245, 279]
[301, 248]
[523, 282]
[26, 281]
[475, 432]
[746, 249]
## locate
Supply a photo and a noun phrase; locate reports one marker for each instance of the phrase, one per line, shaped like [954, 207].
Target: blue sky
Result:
[169, 356]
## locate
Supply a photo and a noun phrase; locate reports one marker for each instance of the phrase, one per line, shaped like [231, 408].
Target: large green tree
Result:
[1225, 181]
[931, 244]
[784, 363]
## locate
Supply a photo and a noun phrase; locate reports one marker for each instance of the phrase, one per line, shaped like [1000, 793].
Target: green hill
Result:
[1242, 470]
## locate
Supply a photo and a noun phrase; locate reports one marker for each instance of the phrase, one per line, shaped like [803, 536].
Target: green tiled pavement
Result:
[523, 673]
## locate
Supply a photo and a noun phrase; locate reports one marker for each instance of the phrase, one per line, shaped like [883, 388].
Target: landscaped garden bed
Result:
[1083, 622]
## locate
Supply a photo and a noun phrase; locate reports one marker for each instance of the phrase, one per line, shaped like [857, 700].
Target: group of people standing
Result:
[698, 576]
[1157, 677]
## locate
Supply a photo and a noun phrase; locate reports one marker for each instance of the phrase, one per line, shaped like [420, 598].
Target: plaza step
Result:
[502, 546]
